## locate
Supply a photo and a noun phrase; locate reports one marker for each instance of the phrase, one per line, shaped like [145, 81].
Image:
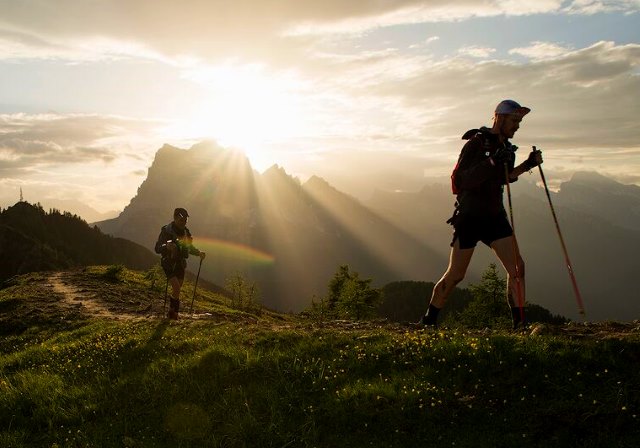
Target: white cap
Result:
[509, 107]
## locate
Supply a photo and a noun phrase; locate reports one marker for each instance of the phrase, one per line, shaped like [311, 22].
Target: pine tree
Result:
[488, 307]
[351, 297]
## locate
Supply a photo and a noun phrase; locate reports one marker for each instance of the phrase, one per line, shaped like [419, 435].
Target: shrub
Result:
[113, 273]
[245, 294]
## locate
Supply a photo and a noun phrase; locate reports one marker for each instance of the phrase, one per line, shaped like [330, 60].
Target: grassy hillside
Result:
[86, 360]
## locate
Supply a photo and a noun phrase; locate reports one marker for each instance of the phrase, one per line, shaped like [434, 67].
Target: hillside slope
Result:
[73, 376]
[106, 292]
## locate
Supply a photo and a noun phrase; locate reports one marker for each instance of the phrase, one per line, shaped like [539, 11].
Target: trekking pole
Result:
[564, 247]
[515, 248]
[196, 286]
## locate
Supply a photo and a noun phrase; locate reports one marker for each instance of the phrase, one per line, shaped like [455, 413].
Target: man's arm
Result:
[193, 250]
[534, 159]
[197, 252]
[516, 172]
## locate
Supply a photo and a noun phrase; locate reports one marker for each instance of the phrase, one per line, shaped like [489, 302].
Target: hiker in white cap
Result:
[486, 161]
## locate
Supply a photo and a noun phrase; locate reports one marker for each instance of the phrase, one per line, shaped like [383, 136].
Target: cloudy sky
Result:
[364, 93]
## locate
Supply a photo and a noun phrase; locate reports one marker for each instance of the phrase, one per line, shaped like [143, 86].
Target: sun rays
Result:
[287, 236]
[244, 106]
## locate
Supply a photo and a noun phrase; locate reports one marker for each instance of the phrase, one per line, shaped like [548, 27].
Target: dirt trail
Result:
[87, 303]
[90, 297]
[79, 293]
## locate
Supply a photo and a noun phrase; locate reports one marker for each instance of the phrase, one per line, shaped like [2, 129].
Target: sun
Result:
[245, 107]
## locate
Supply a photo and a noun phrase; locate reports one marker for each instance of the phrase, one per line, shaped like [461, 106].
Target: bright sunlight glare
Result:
[244, 107]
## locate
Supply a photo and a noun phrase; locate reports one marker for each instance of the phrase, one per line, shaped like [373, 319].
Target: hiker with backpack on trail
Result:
[174, 245]
[485, 165]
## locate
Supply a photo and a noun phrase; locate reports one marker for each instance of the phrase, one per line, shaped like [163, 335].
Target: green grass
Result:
[280, 381]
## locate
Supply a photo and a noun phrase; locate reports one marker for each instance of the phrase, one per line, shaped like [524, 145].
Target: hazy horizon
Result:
[365, 95]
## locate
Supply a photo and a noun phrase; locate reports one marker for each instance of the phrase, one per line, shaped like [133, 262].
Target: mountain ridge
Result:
[308, 229]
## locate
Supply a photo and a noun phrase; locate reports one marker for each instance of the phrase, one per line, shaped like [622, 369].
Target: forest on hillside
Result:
[32, 239]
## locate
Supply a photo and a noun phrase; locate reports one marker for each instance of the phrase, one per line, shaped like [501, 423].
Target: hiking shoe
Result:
[174, 308]
[426, 322]
[521, 326]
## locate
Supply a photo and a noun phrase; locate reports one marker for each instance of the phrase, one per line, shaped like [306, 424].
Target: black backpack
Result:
[468, 136]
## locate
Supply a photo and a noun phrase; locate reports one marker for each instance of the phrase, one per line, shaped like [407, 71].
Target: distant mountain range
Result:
[290, 236]
[593, 193]
[87, 213]
[32, 239]
[75, 207]
[601, 240]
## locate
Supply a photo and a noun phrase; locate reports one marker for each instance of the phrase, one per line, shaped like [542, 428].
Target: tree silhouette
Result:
[350, 296]
[488, 306]
[34, 240]
[245, 294]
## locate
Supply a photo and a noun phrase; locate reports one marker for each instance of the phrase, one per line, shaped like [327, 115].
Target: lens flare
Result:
[220, 248]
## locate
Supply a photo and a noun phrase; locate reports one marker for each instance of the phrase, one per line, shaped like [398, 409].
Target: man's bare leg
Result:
[514, 265]
[459, 260]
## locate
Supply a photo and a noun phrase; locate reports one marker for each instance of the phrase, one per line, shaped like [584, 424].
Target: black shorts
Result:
[173, 268]
[471, 229]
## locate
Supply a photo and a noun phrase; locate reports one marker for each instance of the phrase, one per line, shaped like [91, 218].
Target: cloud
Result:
[584, 105]
[577, 90]
[541, 50]
[380, 98]
[370, 15]
[18, 45]
[74, 157]
[29, 142]
[583, 101]
[425, 43]
[477, 52]
[590, 7]
[245, 29]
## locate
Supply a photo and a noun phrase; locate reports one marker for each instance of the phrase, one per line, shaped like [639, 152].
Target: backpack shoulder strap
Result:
[470, 133]
[168, 230]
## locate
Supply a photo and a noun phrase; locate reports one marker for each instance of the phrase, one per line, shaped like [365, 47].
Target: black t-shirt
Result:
[479, 183]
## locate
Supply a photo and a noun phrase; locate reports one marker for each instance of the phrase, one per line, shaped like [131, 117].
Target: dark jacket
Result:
[181, 237]
[480, 184]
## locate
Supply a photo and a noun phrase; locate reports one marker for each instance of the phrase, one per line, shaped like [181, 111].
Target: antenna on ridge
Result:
[21, 198]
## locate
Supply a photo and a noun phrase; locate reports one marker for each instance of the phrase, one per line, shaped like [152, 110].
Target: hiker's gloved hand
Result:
[502, 156]
[534, 159]
[202, 255]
